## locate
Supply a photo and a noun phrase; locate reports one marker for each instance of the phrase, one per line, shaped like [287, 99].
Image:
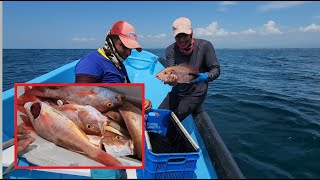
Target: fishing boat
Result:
[215, 161]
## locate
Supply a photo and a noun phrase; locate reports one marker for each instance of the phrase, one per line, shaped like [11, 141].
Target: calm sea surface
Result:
[265, 104]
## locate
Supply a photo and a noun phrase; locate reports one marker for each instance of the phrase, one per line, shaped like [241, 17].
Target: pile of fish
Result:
[95, 121]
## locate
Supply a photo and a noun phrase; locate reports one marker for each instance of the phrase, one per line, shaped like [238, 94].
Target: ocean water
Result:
[265, 104]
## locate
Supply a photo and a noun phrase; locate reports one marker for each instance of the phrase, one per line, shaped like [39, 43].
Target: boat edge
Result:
[220, 156]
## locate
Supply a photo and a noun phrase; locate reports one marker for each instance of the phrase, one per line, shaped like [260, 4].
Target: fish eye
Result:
[165, 73]
[88, 126]
[118, 137]
[109, 104]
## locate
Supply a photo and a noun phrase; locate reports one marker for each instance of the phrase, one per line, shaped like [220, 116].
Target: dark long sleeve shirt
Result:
[203, 58]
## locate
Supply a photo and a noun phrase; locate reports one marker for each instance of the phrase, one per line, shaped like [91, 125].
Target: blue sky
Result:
[227, 24]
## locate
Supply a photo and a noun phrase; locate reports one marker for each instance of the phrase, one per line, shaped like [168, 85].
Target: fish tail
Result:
[37, 91]
[26, 98]
[26, 88]
[27, 122]
[107, 159]
[22, 109]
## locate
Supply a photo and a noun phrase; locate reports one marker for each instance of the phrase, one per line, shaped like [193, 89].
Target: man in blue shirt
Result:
[106, 64]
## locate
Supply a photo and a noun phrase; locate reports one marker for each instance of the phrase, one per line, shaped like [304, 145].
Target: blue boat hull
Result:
[141, 68]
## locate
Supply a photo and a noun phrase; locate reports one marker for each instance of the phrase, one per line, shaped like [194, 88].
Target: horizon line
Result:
[153, 48]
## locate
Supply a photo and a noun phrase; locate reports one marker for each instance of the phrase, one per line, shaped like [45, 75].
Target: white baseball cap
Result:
[182, 25]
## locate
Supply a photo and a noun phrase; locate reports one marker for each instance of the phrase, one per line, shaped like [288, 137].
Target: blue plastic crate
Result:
[168, 165]
[144, 174]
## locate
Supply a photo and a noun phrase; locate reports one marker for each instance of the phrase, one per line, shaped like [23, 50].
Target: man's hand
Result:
[147, 105]
[171, 80]
[24, 139]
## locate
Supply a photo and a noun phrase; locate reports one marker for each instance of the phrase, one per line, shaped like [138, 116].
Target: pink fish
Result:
[184, 72]
[117, 145]
[87, 118]
[55, 127]
[100, 98]
[133, 119]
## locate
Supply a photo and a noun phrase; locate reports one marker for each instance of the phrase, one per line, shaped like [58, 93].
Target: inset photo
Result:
[79, 125]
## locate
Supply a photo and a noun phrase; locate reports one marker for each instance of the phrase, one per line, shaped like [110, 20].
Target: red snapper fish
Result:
[55, 127]
[90, 120]
[87, 118]
[184, 72]
[133, 120]
[117, 145]
[100, 98]
[113, 144]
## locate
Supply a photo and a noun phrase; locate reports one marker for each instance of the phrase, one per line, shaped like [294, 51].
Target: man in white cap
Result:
[198, 53]
[105, 65]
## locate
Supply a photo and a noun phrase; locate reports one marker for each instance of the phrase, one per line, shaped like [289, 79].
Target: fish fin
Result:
[27, 122]
[107, 159]
[120, 98]
[21, 109]
[184, 64]
[20, 102]
[24, 98]
[26, 88]
[192, 69]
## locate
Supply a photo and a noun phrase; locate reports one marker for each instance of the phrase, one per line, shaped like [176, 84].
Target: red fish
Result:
[184, 72]
[87, 118]
[133, 119]
[117, 145]
[55, 127]
[100, 98]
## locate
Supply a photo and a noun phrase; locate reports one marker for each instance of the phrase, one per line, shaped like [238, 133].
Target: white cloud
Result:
[157, 36]
[223, 5]
[311, 28]
[226, 3]
[280, 5]
[271, 28]
[211, 30]
[249, 31]
[83, 39]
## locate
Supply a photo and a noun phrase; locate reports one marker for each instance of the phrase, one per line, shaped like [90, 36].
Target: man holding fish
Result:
[192, 64]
